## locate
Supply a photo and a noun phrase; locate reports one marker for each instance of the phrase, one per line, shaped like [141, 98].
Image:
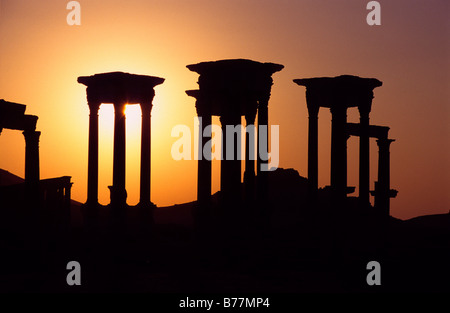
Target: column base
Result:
[146, 205]
[118, 196]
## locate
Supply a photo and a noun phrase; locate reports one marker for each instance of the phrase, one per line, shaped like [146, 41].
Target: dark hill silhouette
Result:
[301, 252]
[7, 178]
[180, 214]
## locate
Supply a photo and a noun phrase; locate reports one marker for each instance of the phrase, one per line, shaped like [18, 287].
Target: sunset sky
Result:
[41, 57]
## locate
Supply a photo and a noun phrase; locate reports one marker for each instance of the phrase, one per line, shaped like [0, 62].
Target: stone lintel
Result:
[12, 116]
[375, 131]
[115, 87]
[235, 67]
[346, 90]
[234, 86]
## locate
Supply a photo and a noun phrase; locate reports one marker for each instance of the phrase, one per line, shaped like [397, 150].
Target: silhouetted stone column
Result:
[32, 170]
[204, 161]
[145, 182]
[383, 188]
[364, 154]
[263, 149]
[230, 170]
[202, 210]
[313, 154]
[249, 173]
[339, 152]
[92, 196]
[223, 163]
[204, 152]
[118, 192]
[31, 156]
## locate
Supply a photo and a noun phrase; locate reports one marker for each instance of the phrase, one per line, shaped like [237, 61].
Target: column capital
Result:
[312, 103]
[384, 142]
[365, 103]
[266, 88]
[94, 106]
[93, 99]
[31, 135]
[146, 98]
[146, 106]
[201, 107]
[250, 113]
[200, 102]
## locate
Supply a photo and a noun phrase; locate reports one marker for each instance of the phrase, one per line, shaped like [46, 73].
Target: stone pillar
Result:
[313, 154]
[223, 163]
[32, 197]
[118, 192]
[204, 161]
[145, 183]
[230, 170]
[249, 173]
[339, 152]
[92, 194]
[364, 153]
[202, 210]
[383, 188]
[263, 148]
[31, 156]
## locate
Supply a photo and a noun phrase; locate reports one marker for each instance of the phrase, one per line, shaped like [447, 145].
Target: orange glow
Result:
[42, 56]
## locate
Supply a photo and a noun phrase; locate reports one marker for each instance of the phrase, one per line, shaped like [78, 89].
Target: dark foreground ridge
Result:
[293, 251]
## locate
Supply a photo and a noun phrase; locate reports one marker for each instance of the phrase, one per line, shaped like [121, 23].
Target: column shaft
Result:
[364, 161]
[118, 192]
[313, 150]
[249, 173]
[263, 148]
[204, 162]
[145, 182]
[31, 156]
[339, 153]
[92, 194]
[383, 192]
[230, 171]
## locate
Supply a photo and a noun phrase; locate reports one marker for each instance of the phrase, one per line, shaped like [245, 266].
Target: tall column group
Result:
[120, 89]
[231, 89]
[382, 191]
[338, 94]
